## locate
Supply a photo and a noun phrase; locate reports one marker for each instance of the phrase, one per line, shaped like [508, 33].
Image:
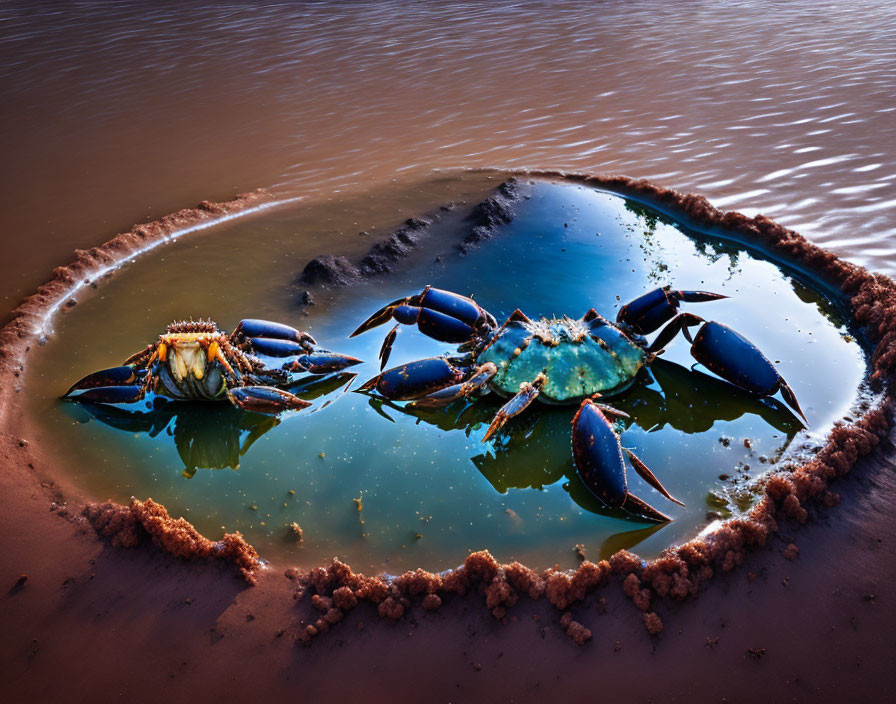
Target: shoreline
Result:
[30, 485]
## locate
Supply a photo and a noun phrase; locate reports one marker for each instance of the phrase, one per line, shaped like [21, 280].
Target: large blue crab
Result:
[194, 360]
[564, 361]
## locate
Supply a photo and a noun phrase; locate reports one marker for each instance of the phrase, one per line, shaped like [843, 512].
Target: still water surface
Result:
[384, 487]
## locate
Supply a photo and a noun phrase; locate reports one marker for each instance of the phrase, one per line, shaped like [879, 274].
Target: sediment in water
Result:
[383, 257]
[676, 574]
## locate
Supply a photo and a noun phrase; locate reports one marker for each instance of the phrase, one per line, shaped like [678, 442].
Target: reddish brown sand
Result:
[92, 619]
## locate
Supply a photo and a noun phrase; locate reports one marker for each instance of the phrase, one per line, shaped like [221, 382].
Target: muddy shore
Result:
[750, 629]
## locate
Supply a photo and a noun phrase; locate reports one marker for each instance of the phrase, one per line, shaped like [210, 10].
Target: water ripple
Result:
[143, 104]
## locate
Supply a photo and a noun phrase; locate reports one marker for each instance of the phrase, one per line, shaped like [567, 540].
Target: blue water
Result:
[387, 488]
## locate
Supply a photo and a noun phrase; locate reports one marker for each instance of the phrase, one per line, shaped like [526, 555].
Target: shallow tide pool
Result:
[387, 488]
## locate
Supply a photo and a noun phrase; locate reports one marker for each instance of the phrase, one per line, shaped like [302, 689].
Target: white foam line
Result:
[43, 329]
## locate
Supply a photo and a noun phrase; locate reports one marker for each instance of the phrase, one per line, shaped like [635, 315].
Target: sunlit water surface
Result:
[386, 488]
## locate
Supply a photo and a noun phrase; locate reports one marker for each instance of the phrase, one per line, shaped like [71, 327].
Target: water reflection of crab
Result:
[205, 437]
[565, 361]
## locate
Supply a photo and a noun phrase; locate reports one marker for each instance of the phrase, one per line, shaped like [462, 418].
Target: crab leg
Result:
[651, 310]
[312, 387]
[386, 349]
[253, 327]
[438, 399]
[275, 347]
[600, 463]
[214, 354]
[681, 323]
[265, 399]
[519, 403]
[140, 358]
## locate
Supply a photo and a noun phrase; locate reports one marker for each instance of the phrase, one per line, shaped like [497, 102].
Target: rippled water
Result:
[389, 487]
[115, 112]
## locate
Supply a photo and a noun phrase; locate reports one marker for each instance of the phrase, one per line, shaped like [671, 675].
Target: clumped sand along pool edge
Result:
[335, 589]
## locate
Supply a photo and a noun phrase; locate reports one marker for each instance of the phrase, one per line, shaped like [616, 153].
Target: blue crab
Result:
[194, 361]
[565, 361]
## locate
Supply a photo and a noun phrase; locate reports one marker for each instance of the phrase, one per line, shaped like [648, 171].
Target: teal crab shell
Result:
[578, 359]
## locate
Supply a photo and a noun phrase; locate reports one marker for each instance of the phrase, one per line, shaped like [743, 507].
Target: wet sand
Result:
[79, 590]
[86, 625]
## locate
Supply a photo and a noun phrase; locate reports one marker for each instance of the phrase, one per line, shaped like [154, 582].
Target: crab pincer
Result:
[114, 377]
[649, 311]
[321, 363]
[600, 463]
[730, 355]
[442, 315]
[128, 393]
[734, 358]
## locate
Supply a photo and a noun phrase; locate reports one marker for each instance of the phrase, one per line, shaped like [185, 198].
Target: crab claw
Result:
[115, 376]
[129, 393]
[734, 358]
[274, 347]
[265, 399]
[442, 315]
[600, 464]
[415, 379]
[648, 312]
[253, 327]
[321, 363]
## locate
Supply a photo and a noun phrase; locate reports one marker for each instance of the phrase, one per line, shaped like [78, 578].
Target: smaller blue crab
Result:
[194, 361]
[564, 361]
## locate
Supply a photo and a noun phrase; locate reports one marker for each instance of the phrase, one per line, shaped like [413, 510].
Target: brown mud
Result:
[30, 317]
[792, 495]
